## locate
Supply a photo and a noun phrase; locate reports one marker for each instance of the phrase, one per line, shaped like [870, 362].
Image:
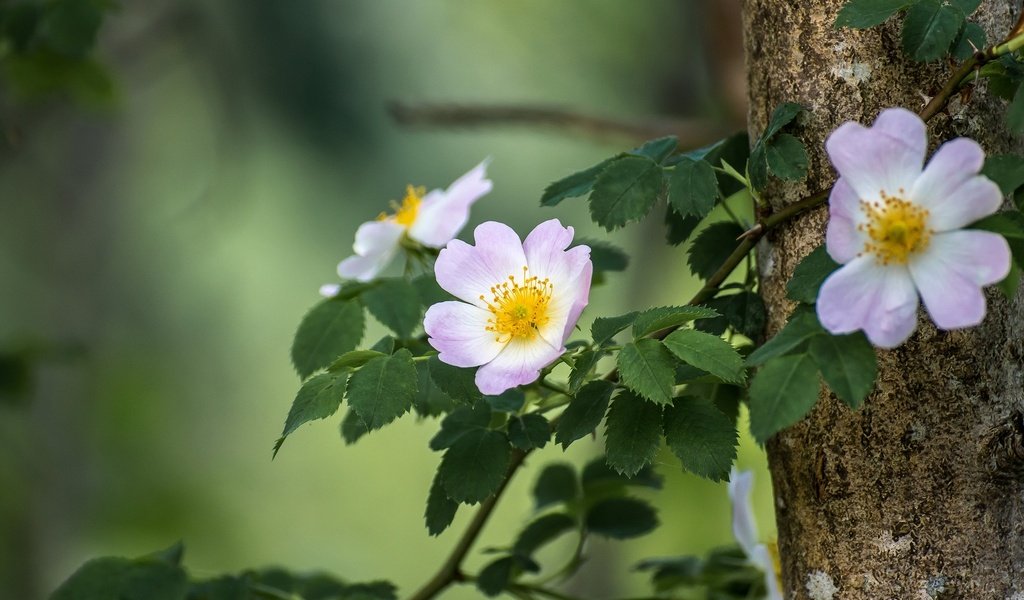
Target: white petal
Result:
[744, 527]
[442, 215]
[329, 290]
[842, 238]
[459, 332]
[762, 558]
[467, 272]
[951, 189]
[879, 299]
[518, 364]
[376, 244]
[887, 158]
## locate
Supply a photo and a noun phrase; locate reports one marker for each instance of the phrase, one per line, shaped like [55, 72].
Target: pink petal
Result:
[842, 239]
[881, 300]
[951, 272]
[376, 244]
[467, 272]
[885, 158]
[518, 364]
[951, 189]
[459, 332]
[581, 298]
[329, 290]
[442, 215]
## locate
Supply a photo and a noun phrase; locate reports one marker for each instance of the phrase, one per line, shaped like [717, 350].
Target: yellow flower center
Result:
[773, 551]
[896, 227]
[519, 308]
[405, 213]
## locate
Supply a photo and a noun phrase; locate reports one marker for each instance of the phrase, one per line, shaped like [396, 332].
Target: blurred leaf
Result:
[604, 255]
[428, 291]
[701, 437]
[848, 365]
[786, 157]
[542, 531]
[69, 27]
[332, 328]
[43, 73]
[693, 188]
[625, 191]
[783, 391]
[495, 577]
[621, 518]
[354, 359]
[575, 185]
[584, 413]
[802, 326]
[556, 484]
[440, 508]
[633, 433]
[605, 328]
[15, 377]
[648, 368]
[862, 14]
[930, 28]
[383, 389]
[598, 476]
[971, 39]
[458, 383]
[707, 352]
[529, 431]
[475, 465]
[396, 304]
[662, 317]
[809, 275]
[124, 579]
[459, 422]
[318, 398]
[712, 247]
[678, 227]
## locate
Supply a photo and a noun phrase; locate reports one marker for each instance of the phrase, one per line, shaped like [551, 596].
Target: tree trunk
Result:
[919, 493]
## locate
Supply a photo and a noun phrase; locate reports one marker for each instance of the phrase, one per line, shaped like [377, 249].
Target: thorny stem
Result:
[451, 571]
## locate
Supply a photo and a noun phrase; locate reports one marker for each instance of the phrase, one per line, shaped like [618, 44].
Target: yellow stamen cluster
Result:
[896, 227]
[773, 551]
[405, 213]
[519, 308]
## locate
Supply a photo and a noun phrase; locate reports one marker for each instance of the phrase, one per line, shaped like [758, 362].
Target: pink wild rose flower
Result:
[896, 226]
[744, 528]
[431, 219]
[519, 302]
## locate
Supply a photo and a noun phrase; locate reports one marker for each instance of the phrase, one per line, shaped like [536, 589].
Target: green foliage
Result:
[601, 480]
[707, 352]
[786, 157]
[459, 422]
[352, 428]
[647, 367]
[332, 328]
[583, 364]
[474, 466]
[575, 185]
[428, 291]
[862, 14]
[440, 508]
[633, 433]
[459, 384]
[318, 398]
[1006, 170]
[1010, 225]
[781, 155]
[529, 431]
[556, 485]
[663, 317]
[395, 302]
[743, 311]
[930, 28]
[383, 389]
[584, 413]
[972, 38]
[701, 436]
[496, 576]
[678, 227]
[604, 255]
[625, 191]
[782, 392]
[724, 574]
[801, 327]
[1015, 112]
[809, 275]
[430, 401]
[542, 531]
[354, 359]
[621, 518]
[605, 328]
[125, 579]
[693, 188]
[848, 365]
[712, 247]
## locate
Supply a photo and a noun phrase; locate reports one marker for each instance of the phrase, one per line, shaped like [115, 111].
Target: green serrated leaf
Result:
[1006, 170]
[318, 398]
[625, 191]
[605, 256]
[786, 157]
[509, 401]
[473, 468]
[354, 359]
[971, 39]
[430, 401]
[428, 292]
[701, 436]
[459, 422]
[862, 14]
[757, 167]
[542, 531]
[573, 186]
[529, 431]
[582, 366]
[726, 398]
[633, 433]
[782, 392]
[605, 328]
[440, 508]
[621, 518]
[556, 485]
[693, 188]
[783, 115]
[712, 247]
[495, 577]
[809, 275]
[678, 227]
[584, 413]
[352, 428]
[848, 365]
[648, 368]
[802, 326]
[663, 317]
[930, 28]
[658, 149]
[395, 302]
[707, 352]
[744, 312]
[383, 389]
[330, 329]
[458, 383]
[124, 579]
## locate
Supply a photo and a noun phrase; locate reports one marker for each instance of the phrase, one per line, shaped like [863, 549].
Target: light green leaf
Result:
[556, 485]
[848, 365]
[809, 275]
[802, 326]
[354, 359]
[330, 329]
[633, 433]
[707, 352]
[862, 14]
[648, 368]
[663, 317]
[782, 392]
[712, 247]
[473, 468]
[395, 302]
[529, 431]
[701, 436]
[584, 413]
[621, 518]
[693, 188]
[625, 191]
[930, 28]
[599, 479]
[440, 508]
[383, 389]
[786, 157]
[605, 328]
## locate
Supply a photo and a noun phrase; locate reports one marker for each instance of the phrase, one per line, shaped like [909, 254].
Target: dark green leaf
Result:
[383, 389]
[809, 275]
[1015, 112]
[529, 431]
[1006, 170]
[726, 398]
[757, 168]
[1010, 225]
[428, 291]
[354, 359]
[318, 398]
[582, 366]
[657, 150]
[459, 422]
[786, 157]
[862, 14]
[584, 412]
[542, 531]
[782, 392]
[605, 256]
[625, 191]
[597, 476]
[495, 577]
[509, 401]
[712, 247]
[430, 401]
[475, 465]
[707, 352]
[744, 312]
[930, 28]
[458, 383]
[678, 227]
[633, 433]
[621, 518]
[848, 365]
[972, 38]
[648, 368]
[124, 579]
[440, 508]
[605, 328]
[1011, 283]
[693, 188]
[70, 27]
[353, 427]
[396, 304]
[577, 184]
[701, 436]
[783, 115]
[802, 326]
[330, 329]
[734, 151]
[663, 317]
[556, 484]
[966, 6]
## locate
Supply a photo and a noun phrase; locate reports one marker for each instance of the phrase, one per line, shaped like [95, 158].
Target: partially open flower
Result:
[520, 302]
[896, 226]
[431, 219]
[744, 529]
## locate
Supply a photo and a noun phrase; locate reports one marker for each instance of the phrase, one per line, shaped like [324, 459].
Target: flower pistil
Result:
[519, 308]
[896, 229]
[405, 213]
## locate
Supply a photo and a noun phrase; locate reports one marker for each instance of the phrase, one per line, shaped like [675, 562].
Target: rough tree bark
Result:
[919, 493]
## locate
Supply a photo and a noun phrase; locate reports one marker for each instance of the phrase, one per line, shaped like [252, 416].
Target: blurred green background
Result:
[159, 247]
